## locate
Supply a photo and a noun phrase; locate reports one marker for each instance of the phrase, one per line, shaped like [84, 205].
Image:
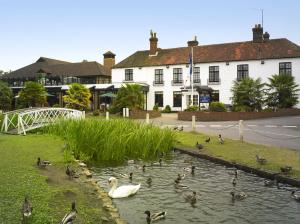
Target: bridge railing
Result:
[21, 121]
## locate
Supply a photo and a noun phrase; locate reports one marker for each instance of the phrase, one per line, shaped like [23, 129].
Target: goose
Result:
[199, 146]
[240, 196]
[260, 160]
[26, 209]
[295, 196]
[149, 181]
[286, 169]
[221, 140]
[180, 176]
[191, 197]
[122, 191]
[154, 216]
[70, 216]
[234, 182]
[42, 163]
[207, 140]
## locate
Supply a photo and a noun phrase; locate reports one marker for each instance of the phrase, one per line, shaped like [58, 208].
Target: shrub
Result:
[56, 105]
[96, 112]
[217, 107]
[155, 107]
[192, 108]
[242, 109]
[167, 109]
[268, 109]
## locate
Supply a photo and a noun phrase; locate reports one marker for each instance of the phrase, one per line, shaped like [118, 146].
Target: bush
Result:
[155, 107]
[167, 109]
[242, 109]
[96, 112]
[192, 108]
[268, 109]
[217, 107]
[113, 110]
[56, 105]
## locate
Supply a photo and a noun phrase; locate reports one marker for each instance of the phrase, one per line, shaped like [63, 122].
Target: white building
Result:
[167, 71]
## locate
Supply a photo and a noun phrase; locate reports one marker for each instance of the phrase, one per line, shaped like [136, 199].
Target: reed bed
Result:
[113, 140]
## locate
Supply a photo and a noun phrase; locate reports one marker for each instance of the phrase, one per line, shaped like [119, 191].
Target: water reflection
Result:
[212, 184]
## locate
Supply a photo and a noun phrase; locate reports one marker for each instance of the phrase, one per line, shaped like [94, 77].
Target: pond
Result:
[213, 184]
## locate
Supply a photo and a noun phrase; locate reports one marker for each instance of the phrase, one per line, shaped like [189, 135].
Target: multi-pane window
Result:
[177, 100]
[128, 74]
[159, 98]
[177, 75]
[242, 71]
[158, 76]
[196, 75]
[285, 68]
[195, 100]
[214, 74]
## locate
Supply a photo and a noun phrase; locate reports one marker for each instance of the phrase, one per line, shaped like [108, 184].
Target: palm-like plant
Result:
[33, 94]
[131, 96]
[78, 97]
[248, 94]
[282, 91]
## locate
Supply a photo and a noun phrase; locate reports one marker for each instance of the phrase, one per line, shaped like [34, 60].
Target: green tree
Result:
[5, 96]
[78, 97]
[130, 96]
[248, 95]
[282, 91]
[33, 94]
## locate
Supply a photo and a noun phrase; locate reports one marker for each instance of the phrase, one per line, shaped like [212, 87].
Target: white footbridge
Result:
[21, 121]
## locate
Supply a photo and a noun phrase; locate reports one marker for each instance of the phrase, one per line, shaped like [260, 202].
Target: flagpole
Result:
[192, 77]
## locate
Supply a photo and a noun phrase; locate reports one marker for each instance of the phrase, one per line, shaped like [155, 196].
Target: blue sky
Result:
[84, 29]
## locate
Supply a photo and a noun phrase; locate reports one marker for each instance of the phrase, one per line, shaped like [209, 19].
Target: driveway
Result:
[280, 131]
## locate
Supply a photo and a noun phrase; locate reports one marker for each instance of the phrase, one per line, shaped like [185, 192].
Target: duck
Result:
[260, 160]
[190, 170]
[234, 182]
[270, 183]
[144, 168]
[180, 186]
[286, 169]
[70, 172]
[191, 197]
[131, 161]
[236, 173]
[181, 128]
[207, 140]
[180, 176]
[154, 216]
[70, 216]
[26, 208]
[221, 140]
[124, 175]
[42, 163]
[175, 128]
[122, 191]
[198, 146]
[240, 196]
[295, 196]
[159, 163]
[149, 181]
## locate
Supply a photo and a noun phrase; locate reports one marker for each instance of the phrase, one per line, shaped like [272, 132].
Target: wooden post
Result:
[193, 123]
[124, 112]
[127, 112]
[107, 115]
[241, 130]
[147, 118]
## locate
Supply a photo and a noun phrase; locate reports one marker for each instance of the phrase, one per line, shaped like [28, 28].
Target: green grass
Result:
[113, 140]
[49, 191]
[244, 153]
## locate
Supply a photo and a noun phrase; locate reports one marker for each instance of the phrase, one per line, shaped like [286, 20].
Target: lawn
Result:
[50, 191]
[244, 153]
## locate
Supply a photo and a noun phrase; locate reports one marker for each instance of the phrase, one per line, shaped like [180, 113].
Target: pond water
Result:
[213, 186]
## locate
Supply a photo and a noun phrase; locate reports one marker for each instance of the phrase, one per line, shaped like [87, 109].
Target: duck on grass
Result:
[113, 140]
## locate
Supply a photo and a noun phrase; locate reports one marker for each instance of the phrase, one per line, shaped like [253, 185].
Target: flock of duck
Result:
[27, 208]
[131, 189]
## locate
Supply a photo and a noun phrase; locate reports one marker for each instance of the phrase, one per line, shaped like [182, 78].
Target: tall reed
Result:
[113, 140]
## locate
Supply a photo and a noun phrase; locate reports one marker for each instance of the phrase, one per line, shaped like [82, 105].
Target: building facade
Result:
[215, 67]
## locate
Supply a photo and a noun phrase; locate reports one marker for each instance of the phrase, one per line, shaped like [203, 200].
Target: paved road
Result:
[280, 132]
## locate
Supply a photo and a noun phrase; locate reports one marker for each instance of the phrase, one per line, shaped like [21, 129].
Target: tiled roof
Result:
[57, 68]
[238, 51]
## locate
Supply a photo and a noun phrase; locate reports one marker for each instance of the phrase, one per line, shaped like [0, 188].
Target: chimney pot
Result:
[153, 44]
[257, 33]
[266, 36]
[193, 43]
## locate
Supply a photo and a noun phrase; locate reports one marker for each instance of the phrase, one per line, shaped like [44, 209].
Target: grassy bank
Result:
[113, 140]
[244, 153]
[49, 190]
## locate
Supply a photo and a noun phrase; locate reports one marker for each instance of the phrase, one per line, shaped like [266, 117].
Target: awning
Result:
[111, 95]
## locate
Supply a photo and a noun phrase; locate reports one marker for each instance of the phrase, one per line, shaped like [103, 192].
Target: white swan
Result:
[122, 191]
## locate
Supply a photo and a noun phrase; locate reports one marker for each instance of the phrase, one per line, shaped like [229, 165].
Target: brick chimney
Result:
[257, 33]
[108, 60]
[193, 43]
[153, 44]
[266, 36]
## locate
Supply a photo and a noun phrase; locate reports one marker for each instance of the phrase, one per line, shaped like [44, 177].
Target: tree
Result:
[78, 97]
[282, 91]
[248, 95]
[130, 96]
[33, 94]
[5, 96]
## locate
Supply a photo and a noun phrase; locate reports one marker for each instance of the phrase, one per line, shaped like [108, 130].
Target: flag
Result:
[191, 61]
